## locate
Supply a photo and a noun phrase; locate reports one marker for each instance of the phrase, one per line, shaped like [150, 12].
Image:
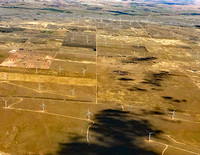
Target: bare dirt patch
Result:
[29, 59]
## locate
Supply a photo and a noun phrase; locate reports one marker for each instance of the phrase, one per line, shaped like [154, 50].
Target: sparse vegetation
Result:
[84, 78]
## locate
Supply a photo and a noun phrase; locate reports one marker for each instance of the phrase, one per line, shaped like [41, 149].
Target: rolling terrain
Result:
[96, 77]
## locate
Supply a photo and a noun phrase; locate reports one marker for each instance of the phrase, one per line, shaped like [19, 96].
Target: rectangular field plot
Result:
[29, 59]
[38, 40]
[76, 54]
[49, 91]
[80, 39]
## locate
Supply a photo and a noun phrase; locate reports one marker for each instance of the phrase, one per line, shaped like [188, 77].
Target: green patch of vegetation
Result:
[52, 9]
[93, 8]
[117, 6]
[46, 32]
[10, 30]
[56, 10]
[68, 12]
[16, 7]
[121, 13]
[190, 14]
[48, 9]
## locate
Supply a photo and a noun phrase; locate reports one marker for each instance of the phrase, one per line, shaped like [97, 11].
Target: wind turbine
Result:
[87, 39]
[5, 102]
[131, 108]
[29, 65]
[121, 46]
[89, 138]
[84, 70]
[88, 114]
[72, 38]
[60, 70]
[105, 43]
[150, 133]
[39, 86]
[73, 91]
[173, 114]
[5, 76]
[36, 69]
[139, 41]
[43, 106]
[9, 66]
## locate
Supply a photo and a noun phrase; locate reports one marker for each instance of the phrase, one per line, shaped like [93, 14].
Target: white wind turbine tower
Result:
[39, 86]
[60, 70]
[5, 76]
[89, 138]
[43, 106]
[88, 114]
[72, 38]
[9, 65]
[149, 137]
[36, 69]
[105, 43]
[78, 19]
[84, 70]
[121, 47]
[87, 40]
[5, 102]
[131, 108]
[73, 91]
[139, 41]
[173, 114]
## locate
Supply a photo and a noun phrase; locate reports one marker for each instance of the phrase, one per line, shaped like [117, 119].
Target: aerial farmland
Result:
[99, 77]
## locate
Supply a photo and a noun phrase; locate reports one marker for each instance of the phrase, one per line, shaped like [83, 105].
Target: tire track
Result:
[175, 147]
[88, 130]
[48, 113]
[21, 99]
[165, 149]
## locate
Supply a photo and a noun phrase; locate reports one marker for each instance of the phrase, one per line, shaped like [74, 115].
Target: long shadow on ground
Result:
[115, 132]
